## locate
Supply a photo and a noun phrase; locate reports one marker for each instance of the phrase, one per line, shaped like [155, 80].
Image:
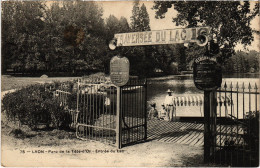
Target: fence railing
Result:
[134, 113]
[98, 117]
[199, 100]
[96, 103]
[61, 96]
[237, 140]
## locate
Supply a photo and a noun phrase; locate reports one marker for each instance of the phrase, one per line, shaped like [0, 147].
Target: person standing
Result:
[168, 104]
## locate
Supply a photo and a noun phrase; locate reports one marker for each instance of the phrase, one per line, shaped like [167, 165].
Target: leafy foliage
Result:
[252, 129]
[72, 37]
[140, 19]
[113, 26]
[34, 105]
[22, 27]
[145, 59]
[141, 60]
[230, 21]
[76, 39]
[65, 36]
[243, 62]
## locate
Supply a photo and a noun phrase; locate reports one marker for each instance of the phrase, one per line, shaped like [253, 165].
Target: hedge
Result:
[34, 105]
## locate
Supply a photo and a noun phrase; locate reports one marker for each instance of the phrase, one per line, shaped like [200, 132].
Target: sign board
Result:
[119, 70]
[207, 73]
[173, 36]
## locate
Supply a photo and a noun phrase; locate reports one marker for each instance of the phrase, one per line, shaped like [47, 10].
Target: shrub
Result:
[34, 105]
[72, 101]
[59, 117]
[252, 129]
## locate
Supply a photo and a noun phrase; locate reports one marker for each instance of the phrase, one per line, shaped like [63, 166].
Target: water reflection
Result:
[241, 75]
[184, 86]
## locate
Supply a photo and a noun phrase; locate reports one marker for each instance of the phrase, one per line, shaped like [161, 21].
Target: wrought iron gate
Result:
[236, 130]
[96, 102]
[134, 115]
[107, 113]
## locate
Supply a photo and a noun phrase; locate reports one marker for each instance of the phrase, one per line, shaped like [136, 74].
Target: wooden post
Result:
[118, 119]
[213, 121]
[209, 124]
[206, 125]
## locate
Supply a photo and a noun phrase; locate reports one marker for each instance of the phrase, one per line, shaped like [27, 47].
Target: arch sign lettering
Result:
[156, 37]
[119, 70]
[207, 73]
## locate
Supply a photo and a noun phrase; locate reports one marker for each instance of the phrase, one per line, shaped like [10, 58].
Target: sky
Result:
[124, 8]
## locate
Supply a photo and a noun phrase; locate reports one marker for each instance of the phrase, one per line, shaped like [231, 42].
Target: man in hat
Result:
[168, 106]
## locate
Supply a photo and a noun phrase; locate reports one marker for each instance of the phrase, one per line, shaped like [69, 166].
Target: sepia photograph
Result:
[130, 83]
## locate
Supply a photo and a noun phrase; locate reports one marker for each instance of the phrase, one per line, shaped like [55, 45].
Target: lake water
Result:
[184, 88]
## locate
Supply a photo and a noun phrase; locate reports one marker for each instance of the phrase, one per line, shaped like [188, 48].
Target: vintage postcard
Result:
[130, 83]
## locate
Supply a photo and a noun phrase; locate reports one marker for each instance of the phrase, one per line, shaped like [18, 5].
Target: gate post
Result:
[118, 119]
[213, 122]
[209, 124]
[145, 110]
[206, 125]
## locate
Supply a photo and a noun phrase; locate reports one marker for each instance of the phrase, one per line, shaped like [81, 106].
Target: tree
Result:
[225, 18]
[253, 60]
[22, 28]
[144, 21]
[242, 62]
[141, 60]
[140, 19]
[77, 35]
[163, 56]
[8, 43]
[113, 26]
[63, 36]
[123, 25]
[135, 19]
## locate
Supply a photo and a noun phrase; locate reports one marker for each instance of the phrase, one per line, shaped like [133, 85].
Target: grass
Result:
[10, 82]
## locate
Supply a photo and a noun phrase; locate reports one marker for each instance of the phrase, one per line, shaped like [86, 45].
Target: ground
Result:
[61, 148]
[39, 149]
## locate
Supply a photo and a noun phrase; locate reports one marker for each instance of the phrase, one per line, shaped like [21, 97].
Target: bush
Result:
[72, 101]
[34, 105]
[252, 129]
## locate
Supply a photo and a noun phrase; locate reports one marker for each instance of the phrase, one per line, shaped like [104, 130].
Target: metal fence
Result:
[134, 114]
[236, 126]
[61, 96]
[115, 115]
[96, 103]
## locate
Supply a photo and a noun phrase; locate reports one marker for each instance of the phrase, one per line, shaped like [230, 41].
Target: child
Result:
[153, 113]
[163, 114]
